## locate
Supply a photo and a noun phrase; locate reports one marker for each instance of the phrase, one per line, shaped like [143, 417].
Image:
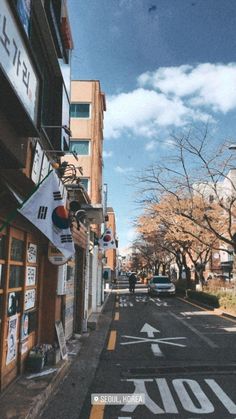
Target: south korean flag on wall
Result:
[107, 240]
[46, 209]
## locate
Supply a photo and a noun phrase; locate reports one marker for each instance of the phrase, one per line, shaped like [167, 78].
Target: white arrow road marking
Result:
[161, 340]
[156, 350]
[147, 328]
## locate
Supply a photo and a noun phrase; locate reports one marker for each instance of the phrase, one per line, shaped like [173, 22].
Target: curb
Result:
[218, 311]
[60, 375]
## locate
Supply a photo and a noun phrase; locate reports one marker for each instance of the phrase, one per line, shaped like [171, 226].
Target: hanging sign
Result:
[55, 256]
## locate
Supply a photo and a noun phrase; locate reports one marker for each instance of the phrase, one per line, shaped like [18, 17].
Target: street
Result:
[178, 356]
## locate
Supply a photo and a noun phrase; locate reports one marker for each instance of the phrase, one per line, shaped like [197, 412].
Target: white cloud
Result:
[142, 112]
[123, 170]
[172, 97]
[151, 145]
[211, 85]
[107, 154]
[131, 234]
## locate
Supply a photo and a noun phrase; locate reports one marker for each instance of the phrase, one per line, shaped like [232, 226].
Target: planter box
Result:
[34, 363]
[53, 357]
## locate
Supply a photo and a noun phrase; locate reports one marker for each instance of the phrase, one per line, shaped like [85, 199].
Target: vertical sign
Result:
[16, 62]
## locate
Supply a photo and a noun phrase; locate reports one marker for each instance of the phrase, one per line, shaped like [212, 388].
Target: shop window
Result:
[2, 247]
[32, 321]
[17, 249]
[14, 303]
[16, 276]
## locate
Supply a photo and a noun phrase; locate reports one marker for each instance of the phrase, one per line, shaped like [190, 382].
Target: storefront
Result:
[20, 271]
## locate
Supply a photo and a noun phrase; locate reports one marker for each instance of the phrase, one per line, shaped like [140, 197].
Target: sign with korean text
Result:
[16, 62]
[11, 340]
[30, 276]
[29, 299]
[32, 253]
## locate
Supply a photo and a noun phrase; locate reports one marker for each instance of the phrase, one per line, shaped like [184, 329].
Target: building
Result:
[111, 265]
[35, 45]
[86, 122]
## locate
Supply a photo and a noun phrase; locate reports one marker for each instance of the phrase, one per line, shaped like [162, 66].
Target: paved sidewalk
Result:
[26, 397]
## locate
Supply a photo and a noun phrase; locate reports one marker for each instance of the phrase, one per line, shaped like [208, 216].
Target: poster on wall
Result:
[30, 276]
[29, 299]
[32, 253]
[24, 326]
[11, 340]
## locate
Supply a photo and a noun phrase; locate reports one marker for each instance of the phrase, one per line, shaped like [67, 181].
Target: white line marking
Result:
[185, 388]
[229, 329]
[199, 334]
[222, 396]
[156, 350]
[166, 396]
[161, 340]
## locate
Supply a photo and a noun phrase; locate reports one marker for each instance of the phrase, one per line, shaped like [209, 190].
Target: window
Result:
[16, 276]
[85, 183]
[80, 110]
[2, 247]
[80, 147]
[17, 249]
[1, 276]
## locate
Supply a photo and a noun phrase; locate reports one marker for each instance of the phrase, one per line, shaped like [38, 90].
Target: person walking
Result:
[132, 282]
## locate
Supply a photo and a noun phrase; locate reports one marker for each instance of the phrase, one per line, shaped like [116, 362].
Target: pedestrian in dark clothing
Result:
[132, 282]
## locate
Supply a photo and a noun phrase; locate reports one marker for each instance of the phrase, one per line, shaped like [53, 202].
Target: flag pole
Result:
[14, 213]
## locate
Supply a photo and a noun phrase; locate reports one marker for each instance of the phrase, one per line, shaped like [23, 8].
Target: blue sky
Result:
[162, 64]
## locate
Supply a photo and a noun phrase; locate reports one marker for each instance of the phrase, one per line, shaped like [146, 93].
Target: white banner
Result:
[46, 210]
[107, 240]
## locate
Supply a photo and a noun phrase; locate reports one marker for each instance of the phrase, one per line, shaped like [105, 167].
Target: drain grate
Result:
[196, 369]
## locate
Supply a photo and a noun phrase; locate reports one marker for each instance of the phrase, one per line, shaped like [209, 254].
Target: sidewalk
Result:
[25, 398]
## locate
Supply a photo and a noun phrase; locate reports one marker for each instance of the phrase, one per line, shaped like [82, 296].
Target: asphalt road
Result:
[174, 357]
[178, 357]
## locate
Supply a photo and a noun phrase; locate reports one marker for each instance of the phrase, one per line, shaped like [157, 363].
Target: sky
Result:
[163, 65]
